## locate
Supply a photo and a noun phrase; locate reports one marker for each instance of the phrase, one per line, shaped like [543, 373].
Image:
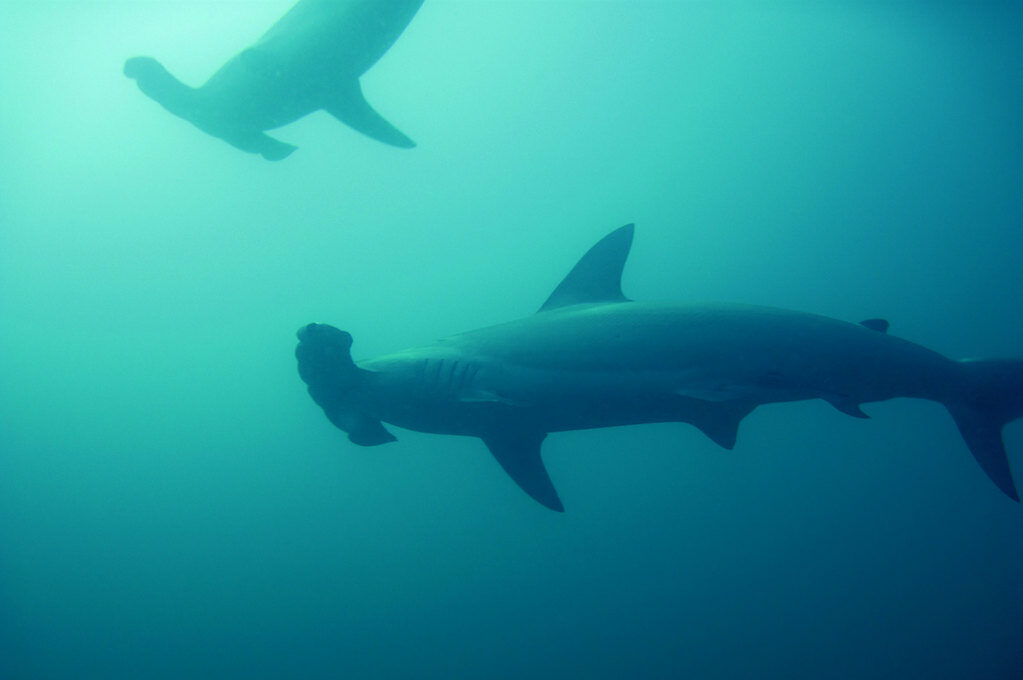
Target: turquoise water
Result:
[172, 503]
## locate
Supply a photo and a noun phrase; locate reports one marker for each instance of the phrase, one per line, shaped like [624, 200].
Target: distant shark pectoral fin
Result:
[258, 142]
[518, 452]
[350, 107]
[273, 149]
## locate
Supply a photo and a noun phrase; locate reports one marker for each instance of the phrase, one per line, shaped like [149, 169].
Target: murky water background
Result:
[172, 504]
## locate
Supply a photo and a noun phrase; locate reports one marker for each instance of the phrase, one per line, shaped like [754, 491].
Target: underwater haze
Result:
[174, 505]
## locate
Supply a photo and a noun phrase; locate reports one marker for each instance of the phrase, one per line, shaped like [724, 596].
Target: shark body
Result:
[310, 59]
[590, 358]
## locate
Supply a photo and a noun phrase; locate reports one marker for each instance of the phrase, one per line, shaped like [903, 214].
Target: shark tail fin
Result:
[990, 396]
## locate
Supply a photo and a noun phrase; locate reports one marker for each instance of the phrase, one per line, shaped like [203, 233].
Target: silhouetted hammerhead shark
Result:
[310, 59]
[591, 358]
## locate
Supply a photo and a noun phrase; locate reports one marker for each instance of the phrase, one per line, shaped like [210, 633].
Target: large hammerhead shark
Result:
[592, 358]
[310, 59]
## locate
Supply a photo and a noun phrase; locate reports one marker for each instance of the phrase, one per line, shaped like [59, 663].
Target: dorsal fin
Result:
[597, 276]
[879, 325]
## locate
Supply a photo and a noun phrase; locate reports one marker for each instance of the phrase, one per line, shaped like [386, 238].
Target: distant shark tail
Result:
[991, 395]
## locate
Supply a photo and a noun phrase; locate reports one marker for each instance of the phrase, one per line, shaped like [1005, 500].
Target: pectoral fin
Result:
[719, 421]
[518, 452]
[846, 406]
[349, 106]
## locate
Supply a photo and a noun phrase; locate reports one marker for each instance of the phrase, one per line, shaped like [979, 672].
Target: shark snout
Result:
[304, 332]
[320, 344]
[323, 333]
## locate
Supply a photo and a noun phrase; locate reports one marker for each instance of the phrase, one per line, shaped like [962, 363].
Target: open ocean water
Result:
[173, 505]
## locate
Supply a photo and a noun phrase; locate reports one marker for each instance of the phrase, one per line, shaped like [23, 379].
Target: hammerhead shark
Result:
[592, 358]
[310, 59]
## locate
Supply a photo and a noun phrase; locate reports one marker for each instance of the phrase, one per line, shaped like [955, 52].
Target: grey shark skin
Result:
[591, 358]
[310, 59]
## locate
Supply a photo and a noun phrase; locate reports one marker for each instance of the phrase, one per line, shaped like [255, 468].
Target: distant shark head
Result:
[144, 68]
[336, 383]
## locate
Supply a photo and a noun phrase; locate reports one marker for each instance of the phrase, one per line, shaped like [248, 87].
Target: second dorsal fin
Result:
[597, 276]
[879, 325]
